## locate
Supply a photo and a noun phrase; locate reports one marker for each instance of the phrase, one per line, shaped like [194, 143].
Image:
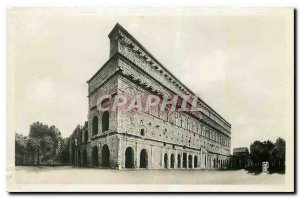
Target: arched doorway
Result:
[95, 162]
[190, 161]
[166, 160]
[214, 163]
[184, 160]
[195, 161]
[129, 158]
[178, 161]
[172, 161]
[79, 158]
[84, 158]
[143, 159]
[105, 156]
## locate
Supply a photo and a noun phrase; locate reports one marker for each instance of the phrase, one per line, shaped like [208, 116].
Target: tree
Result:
[261, 151]
[20, 149]
[278, 152]
[44, 143]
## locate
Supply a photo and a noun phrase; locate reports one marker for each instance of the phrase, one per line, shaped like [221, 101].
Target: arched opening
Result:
[166, 160]
[214, 163]
[86, 137]
[95, 161]
[195, 162]
[84, 158]
[129, 158]
[105, 121]
[190, 161]
[143, 159]
[95, 125]
[172, 161]
[79, 158]
[184, 165]
[178, 161]
[105, 156]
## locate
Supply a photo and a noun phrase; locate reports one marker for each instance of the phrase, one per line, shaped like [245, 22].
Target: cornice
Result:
[139, 49]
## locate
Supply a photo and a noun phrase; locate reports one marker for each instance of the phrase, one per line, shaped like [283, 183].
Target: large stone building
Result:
[152, 139]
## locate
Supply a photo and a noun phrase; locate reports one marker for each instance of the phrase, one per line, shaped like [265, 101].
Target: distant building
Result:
[241, 151]
[77, 140]
[240, 158]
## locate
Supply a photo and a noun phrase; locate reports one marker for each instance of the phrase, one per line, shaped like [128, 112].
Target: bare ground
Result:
[75, 175]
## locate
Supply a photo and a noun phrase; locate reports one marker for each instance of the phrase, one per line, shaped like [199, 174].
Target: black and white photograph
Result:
[150, 99]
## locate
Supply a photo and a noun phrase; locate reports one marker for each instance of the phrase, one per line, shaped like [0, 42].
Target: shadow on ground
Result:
[271, 171]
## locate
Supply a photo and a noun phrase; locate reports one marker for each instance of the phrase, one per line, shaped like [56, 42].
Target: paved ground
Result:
[73, 175]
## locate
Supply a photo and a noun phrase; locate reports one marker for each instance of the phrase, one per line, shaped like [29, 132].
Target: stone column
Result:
[120, 156]
[181, 159]
[176, 159]
[199, 161]
[136, 165]
[187, 160]
[151, 164]
[99, 146]
[169, 159]
[137, 157]
[162, 158]
[206, 158]
[193, 161]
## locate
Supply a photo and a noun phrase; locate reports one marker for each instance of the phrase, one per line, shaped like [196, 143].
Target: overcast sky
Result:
[239, 62]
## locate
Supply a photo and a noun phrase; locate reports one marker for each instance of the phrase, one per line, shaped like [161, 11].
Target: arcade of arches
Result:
[101, 157]
[191, 161]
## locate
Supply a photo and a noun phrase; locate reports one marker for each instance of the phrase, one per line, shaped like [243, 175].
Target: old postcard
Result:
[150, 99]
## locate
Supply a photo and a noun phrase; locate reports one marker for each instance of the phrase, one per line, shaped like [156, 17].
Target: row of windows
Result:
[105, 123]
[182, 121]
[176, 118]
[180, 138]
[202, 130]
[217, 137]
